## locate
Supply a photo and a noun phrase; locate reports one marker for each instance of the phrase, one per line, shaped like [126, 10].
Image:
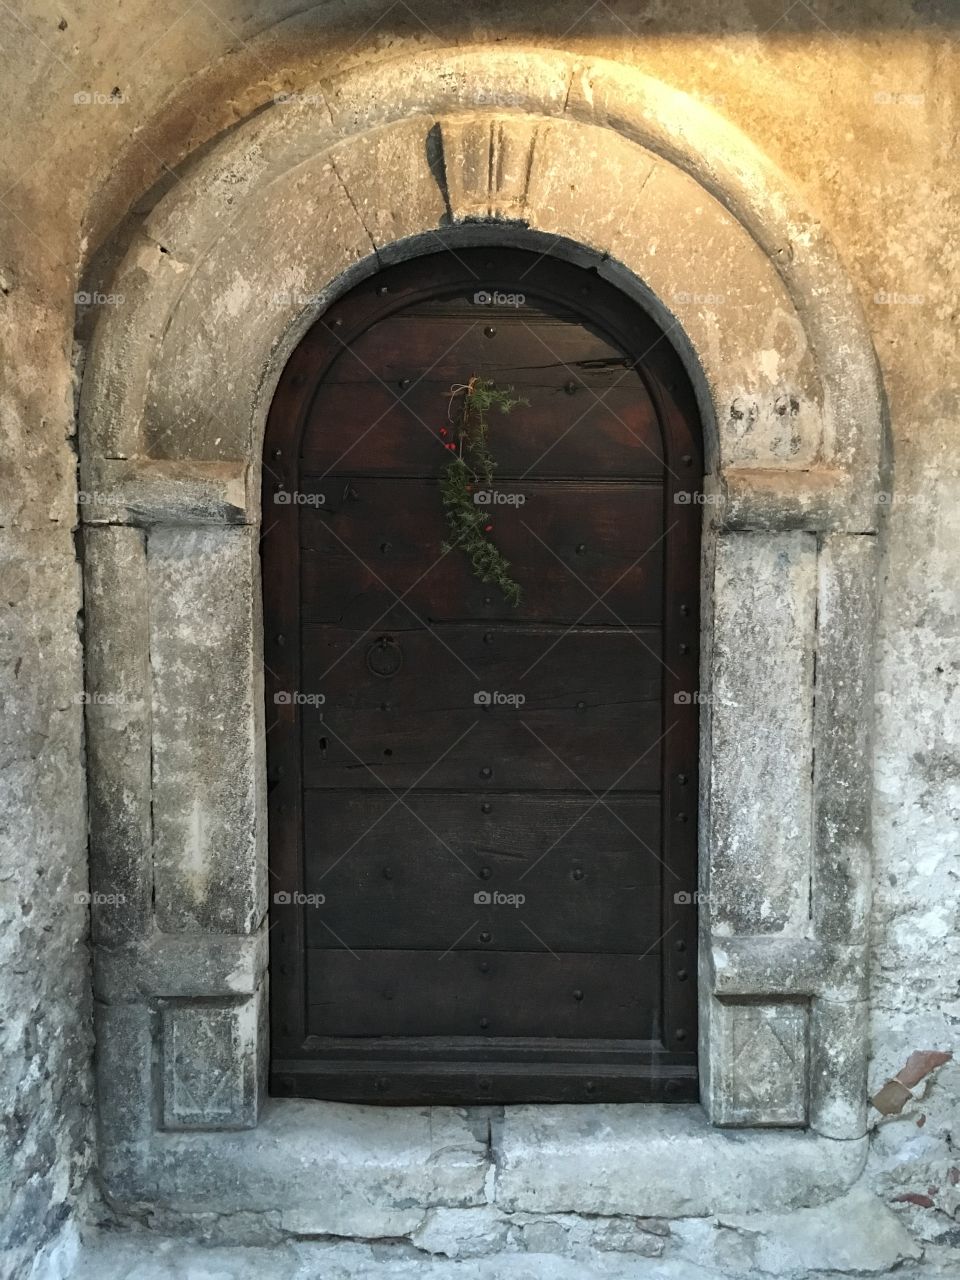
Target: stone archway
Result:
[224, 277]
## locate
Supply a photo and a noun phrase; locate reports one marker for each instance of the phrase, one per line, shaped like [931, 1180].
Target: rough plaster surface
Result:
[45, 1004]
[865, 126]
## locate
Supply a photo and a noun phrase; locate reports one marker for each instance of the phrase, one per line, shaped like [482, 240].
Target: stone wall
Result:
[45, 1002]
[858, 109]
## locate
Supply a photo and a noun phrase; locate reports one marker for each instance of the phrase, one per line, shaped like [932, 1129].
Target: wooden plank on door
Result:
[582, 553]
[432, 871]
[581, 425]
[555, 749]
[469, 993]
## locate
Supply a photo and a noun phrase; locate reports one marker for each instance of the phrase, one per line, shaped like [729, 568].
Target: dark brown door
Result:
[483, 814]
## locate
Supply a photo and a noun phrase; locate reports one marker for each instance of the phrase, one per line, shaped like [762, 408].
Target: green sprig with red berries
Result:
[471, 469]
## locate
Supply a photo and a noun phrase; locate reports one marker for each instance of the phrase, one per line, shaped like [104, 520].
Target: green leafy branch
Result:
[473, 469]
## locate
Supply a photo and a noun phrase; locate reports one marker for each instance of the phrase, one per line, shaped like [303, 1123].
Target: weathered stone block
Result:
[300, 235]
[772, 965]
[843, 734]
[144, 492]
[791, 238]
[486, 161]
[818, 499]
[450, 81]
[462, 1233]
[417, 201]
[328, 1168]
[647, 1160]
[211, 1061]
[723, 293]
[195, 966]
[563, 171]
[761, 722]
[839, 1042]
[126, 1102]
[854, 1234]
[118, 731]
[208, 797]
[759, 1067]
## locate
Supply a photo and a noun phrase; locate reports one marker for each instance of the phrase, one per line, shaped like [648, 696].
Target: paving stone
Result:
[139, 1257]
[854, 1233]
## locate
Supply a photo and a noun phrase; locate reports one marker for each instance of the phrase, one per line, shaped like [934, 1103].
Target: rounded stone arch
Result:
[232, 265]
[585, 159]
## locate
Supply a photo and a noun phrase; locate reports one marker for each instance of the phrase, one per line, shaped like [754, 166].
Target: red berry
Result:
[488, 528]
[444, 431]
[451, 445]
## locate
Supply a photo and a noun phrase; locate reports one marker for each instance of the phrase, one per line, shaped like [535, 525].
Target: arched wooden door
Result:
[483, 814]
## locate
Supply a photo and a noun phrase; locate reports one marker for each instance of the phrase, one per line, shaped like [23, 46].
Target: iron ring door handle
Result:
[385, 657]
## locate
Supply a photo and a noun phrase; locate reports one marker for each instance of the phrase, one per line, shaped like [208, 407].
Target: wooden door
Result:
[483, 814]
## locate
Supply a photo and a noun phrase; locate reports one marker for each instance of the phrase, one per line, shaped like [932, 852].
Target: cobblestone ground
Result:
[139, 1257]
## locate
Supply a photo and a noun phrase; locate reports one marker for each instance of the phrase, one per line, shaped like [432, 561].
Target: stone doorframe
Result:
[588, 160]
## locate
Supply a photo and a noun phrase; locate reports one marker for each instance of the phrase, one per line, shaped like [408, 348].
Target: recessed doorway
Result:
[483, 793]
